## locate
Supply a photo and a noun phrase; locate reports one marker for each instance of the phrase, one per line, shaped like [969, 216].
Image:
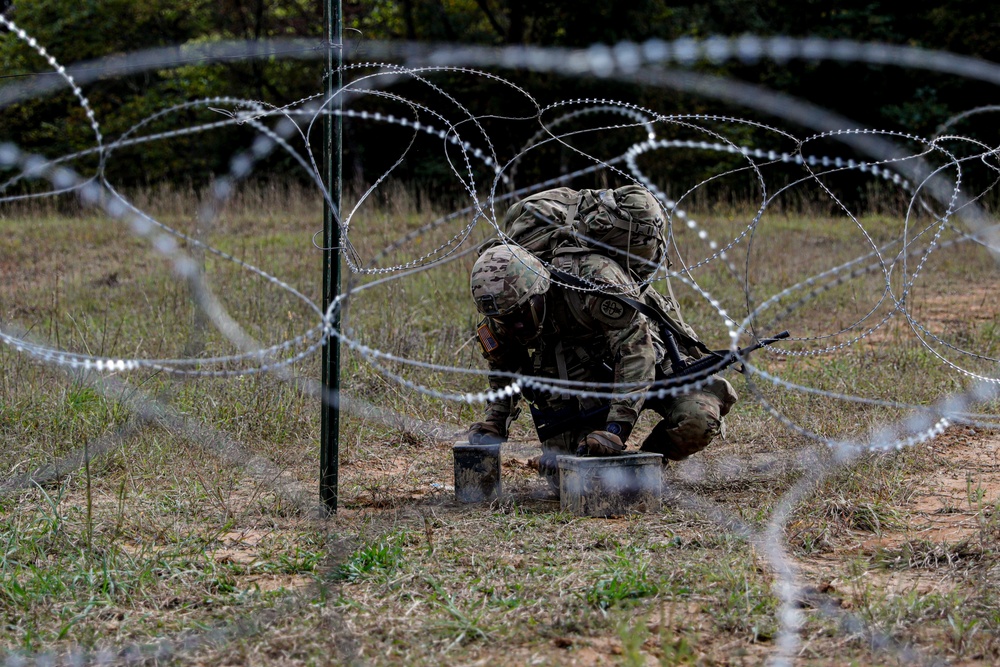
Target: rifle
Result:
[549, 424]
[714, 361]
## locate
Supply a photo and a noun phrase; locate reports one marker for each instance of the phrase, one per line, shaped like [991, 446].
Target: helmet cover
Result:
[504, 278]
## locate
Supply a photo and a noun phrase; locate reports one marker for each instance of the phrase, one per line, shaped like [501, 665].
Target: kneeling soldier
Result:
[544, 328]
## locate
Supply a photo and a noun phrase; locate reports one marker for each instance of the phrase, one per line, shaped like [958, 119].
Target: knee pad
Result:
[722, 390]
[691, 423]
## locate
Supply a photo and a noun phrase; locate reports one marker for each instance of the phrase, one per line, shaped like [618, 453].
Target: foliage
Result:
[73, 33]
[909, 100]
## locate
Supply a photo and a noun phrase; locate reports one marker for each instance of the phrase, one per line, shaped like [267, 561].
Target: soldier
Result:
[534, 326]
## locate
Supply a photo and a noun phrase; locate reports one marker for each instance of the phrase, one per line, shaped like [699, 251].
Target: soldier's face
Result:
[524, 323]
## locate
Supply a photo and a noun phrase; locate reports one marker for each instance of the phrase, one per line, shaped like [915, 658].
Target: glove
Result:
[546, 464]
[485, 433]
[600, 443]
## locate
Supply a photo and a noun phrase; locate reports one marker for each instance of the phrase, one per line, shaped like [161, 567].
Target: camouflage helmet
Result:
[504, 278]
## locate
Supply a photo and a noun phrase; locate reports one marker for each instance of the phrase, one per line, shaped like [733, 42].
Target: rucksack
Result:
[626, 224]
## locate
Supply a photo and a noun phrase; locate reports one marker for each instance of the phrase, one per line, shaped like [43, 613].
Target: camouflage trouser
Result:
[690, 421]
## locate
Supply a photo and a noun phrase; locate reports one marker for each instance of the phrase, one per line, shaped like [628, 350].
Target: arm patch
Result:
[487, 339]
[612, 309]
[611, 313]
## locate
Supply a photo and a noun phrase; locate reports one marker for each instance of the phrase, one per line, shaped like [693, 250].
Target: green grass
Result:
[623, 578]
[377, 560]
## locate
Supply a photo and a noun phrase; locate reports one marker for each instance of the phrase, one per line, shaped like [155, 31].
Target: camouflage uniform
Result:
[591, 337]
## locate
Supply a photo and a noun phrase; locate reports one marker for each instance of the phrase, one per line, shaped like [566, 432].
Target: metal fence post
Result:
[332, 167]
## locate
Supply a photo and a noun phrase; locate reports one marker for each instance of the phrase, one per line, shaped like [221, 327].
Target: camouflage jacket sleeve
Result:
[503, 356]
[635, 368]
[627, 333]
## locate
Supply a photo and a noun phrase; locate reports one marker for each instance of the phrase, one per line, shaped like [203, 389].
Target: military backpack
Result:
[626, 224]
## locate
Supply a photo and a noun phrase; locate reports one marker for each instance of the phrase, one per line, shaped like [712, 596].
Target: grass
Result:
[184, 522]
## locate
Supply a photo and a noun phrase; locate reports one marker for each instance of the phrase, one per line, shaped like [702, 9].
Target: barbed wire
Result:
[919, 171]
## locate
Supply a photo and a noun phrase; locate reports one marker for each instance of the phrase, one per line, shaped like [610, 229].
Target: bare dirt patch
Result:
[955, 498]
[953, 317]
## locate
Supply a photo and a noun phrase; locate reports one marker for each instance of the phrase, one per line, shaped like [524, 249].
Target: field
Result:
[150, 517]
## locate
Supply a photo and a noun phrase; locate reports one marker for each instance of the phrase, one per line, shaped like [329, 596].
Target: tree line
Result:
[73, 32]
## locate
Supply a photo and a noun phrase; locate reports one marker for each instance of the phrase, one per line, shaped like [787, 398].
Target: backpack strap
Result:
[574, 208]
[629, 226]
